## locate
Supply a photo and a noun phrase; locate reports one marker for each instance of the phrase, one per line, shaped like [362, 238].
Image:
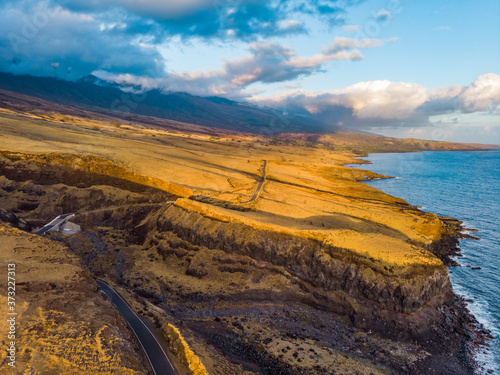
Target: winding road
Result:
[156, 355]
[259, 185]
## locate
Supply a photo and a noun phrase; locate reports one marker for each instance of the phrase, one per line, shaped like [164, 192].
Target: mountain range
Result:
[92, 94]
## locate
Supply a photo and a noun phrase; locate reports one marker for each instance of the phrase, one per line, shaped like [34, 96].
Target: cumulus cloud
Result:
[122, 36]
[151, 8]
[240, 19]
[386, 103]
[372, 100]
[482, 95]
[208, 18]
[268, 62]
[119, 40]
[50, 40]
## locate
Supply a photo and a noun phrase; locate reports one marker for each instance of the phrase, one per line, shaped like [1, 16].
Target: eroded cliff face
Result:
[246, 300]
[256, 267]
[81, 171]
[362, 287]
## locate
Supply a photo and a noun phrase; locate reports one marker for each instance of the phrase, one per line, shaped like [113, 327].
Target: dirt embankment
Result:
[180, 348]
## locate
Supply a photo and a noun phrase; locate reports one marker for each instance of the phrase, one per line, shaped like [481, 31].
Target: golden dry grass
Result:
[308, 192]
[63, 326]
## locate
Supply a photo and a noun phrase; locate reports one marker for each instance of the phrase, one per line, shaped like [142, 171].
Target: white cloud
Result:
[467, 131]
[383, 15]
[124, 36]
[442, 28]
[367, 100]
[268, 62]
[290, 24]
[351, 28]
[482, 95]
[319, 59]
[344, 44]
[384, 102]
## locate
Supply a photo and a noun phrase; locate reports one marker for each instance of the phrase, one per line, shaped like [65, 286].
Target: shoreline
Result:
[476, 335]
[479, 335]
[317, 243]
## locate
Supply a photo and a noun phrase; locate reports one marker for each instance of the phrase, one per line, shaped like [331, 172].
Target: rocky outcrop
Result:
[82, 171]
[446, 247]
[9, 217]
[178, 346]
[337, 277]
[333, 269]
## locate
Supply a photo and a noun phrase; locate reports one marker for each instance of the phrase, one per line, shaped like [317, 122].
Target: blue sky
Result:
[424, 69]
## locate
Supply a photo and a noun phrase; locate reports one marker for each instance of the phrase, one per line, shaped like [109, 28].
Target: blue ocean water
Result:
[465, 186]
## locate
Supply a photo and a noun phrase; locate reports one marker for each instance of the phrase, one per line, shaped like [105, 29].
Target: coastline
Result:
[476, 336]
[317, 248]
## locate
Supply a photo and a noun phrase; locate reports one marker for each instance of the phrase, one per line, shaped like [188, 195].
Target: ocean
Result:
[465, 186]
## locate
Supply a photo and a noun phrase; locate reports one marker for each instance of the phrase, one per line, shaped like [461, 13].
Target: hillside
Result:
[320, 274]
[110, 100]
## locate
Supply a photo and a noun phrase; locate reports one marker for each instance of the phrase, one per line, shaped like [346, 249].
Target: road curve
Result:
[156, 355]
[259, 185]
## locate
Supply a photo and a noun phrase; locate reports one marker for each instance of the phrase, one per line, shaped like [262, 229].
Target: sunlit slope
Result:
[307, 191]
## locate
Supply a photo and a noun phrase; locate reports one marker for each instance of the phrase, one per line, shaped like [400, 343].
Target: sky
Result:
[405, 68]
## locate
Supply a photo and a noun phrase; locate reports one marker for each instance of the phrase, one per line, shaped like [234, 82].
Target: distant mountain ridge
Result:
[93, 94]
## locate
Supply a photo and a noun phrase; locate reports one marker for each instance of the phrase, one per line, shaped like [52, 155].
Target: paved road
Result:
[54, 224]
[259, 186]
[157, 357]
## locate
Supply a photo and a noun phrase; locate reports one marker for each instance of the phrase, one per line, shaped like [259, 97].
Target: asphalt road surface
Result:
[159, 361]
[259, 186]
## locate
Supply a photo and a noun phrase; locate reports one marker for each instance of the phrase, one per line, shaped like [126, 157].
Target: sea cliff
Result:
[320, 274]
